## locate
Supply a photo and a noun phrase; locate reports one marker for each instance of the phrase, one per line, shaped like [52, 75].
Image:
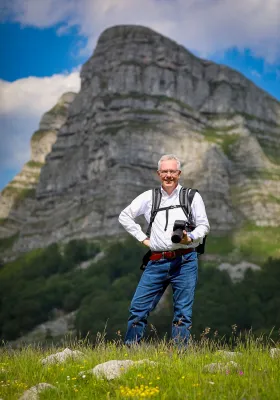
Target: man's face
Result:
[169, 174]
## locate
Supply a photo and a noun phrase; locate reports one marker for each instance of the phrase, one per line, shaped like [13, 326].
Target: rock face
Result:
[237, 271]
[18, 197]
[143, 95]
[53, 329]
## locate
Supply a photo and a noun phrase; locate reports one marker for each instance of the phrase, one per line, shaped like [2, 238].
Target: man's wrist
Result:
[191, 237]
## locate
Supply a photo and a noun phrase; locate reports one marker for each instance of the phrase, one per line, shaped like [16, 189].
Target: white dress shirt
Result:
[160, 238]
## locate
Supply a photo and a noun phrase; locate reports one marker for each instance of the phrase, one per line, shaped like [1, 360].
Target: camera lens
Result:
[177, 236]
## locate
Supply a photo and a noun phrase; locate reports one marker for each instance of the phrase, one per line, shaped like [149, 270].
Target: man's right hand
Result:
[146, 242]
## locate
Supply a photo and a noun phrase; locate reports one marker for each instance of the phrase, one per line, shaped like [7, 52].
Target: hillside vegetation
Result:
[35, 286]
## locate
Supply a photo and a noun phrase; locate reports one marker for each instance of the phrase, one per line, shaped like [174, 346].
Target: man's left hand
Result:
[186, 239]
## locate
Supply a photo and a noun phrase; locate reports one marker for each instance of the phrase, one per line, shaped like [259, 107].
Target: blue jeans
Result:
[181, 273]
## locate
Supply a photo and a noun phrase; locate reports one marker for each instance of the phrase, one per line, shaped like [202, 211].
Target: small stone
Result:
[62, 356]
[34, 391]
[221, 367]
[229, 354]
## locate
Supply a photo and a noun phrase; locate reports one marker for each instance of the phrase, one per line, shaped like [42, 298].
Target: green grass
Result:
[144, 97]
[171, 99]
[7, 243]
[250, 242]
[24, 194]
[218, 130]
[18, 194]
[58, 109]
[113, 128]
[258, 243]
[264, 174]
[144, 111]
[39, 134]
[228, 142]
[175, 376]
[271, 149]
[247, 116]
[219, 244]
[35, 164]
[273, 199]
[10, 191]
[251, 117]
[219, 136]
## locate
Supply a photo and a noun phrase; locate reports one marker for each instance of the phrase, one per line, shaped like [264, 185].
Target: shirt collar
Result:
[176, 190]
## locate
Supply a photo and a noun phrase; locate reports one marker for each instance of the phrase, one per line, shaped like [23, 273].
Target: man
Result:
[177, 267]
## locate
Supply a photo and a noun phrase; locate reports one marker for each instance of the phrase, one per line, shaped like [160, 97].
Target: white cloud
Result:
[206, 26]
[22, 104]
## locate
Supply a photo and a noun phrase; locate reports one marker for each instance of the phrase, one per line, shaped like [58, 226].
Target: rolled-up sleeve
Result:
[135, 209]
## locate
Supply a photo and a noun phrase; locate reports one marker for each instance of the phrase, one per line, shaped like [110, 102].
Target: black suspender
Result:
[186, 196]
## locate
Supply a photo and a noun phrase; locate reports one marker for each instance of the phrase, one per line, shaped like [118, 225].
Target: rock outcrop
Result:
[143, 95]
[237, 271]
[50, 330]
[18, 197]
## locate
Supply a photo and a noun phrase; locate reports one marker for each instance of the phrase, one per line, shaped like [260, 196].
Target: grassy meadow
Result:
[176, 375]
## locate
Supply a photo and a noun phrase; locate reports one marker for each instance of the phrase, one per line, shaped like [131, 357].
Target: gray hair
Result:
[169, 157]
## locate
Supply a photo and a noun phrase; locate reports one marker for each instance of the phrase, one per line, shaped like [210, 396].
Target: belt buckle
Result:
[173, 254]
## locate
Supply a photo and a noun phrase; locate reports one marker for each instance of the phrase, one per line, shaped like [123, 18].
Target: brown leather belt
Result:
[158, 255]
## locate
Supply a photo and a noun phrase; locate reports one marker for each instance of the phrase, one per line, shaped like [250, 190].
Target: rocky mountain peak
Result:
[143, 95]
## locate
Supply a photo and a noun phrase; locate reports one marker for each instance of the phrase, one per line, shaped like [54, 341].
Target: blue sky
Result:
[46, 42]
[36, 52]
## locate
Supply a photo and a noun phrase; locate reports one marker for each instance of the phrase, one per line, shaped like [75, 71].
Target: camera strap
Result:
[155, 206]
[186, 196]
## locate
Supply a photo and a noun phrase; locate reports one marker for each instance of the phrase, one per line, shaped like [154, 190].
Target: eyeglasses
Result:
[170, 171]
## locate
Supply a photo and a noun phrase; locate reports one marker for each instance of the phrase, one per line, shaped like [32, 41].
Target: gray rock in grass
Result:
[114, 368]
[229, 354]
[62, 356]
[275, 353]
[221, 367]
[34, 391]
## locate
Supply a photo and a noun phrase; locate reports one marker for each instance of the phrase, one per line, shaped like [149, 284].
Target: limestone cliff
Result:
[18, 197]
[143, 95]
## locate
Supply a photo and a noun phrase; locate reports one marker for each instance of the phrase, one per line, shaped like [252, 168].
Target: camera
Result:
[178, 228]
